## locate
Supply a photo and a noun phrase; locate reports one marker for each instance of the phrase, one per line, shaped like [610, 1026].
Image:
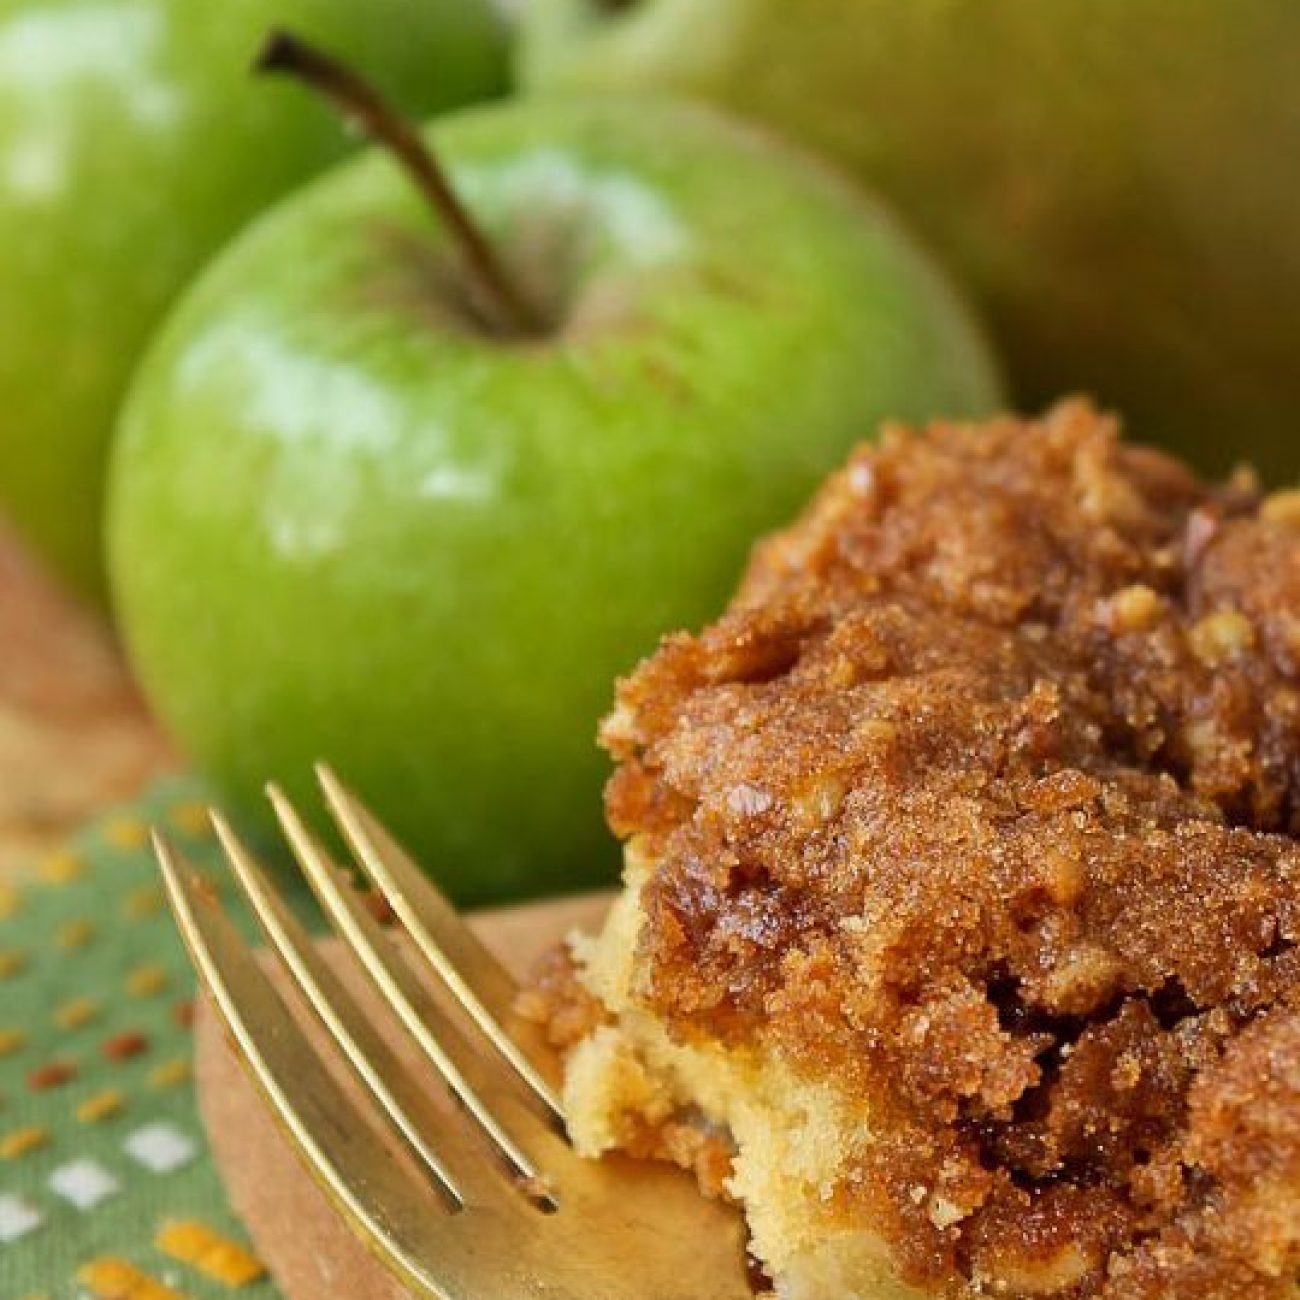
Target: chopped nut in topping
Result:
[1134, 609]
[1222, 635]
[1282, 508]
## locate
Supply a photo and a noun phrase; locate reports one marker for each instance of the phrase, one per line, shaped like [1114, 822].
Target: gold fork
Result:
[476, 1198]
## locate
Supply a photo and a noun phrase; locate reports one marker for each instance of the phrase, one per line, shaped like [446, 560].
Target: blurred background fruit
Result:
[348, 521]
[132, 144]
[1114, 180]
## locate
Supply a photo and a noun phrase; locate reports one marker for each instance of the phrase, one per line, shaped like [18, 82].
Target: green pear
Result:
[132, 145]
[357, 516]
[1114, 180]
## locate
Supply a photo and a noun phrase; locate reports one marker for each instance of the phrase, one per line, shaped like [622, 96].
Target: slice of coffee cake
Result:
[958, 939]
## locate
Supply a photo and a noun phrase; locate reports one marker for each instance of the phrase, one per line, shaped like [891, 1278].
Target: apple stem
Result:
[511, 310]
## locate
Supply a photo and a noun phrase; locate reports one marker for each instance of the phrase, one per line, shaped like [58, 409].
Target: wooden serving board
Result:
[311, 1252]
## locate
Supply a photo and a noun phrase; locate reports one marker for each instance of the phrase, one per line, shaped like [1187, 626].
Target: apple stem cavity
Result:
[502, 304]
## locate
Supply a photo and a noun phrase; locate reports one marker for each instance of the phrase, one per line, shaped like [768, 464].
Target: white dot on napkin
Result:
[17, 1218]
[85, 1183]
[160, 1147]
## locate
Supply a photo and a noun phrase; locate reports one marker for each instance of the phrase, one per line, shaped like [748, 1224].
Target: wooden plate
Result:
[310, 1250]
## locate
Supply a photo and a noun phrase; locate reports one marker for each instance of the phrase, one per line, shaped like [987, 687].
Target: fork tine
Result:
[441, 1042]
[475, 978]
[401, 1219]
[460, 1172]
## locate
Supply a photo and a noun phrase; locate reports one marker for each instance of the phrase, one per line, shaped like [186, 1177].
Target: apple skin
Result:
[1114, 181]
[345, 525]
[133, 143]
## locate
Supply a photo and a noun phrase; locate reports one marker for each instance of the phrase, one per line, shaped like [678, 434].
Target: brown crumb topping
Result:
[981, 799]
[556, 1000]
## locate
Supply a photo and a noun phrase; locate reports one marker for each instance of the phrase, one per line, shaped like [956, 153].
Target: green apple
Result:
[1114, 180]
[132, 145]
[349, 521]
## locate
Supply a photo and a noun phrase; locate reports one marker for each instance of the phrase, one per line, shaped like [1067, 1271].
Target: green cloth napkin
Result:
[107, 1187]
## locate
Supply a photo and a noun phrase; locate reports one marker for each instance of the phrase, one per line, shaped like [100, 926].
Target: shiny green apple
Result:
[1114, 180]
[132, 145]
[349, 523]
